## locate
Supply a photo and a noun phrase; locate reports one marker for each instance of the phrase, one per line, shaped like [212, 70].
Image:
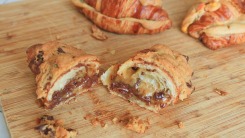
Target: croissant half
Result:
[62, 72]
[217, 23]
[126, 16]
[153, 78]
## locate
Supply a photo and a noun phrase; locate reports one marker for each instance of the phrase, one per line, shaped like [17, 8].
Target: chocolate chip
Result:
[159, 95]
[60, 50]
[69, 129]
[189, 84]
[135, 68]
[40, 56]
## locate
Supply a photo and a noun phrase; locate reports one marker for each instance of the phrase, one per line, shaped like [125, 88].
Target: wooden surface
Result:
[204, 114]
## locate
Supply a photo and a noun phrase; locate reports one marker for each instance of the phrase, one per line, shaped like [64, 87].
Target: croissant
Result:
[217, 23]
[153, 78]
[62, 72]
[126, 16]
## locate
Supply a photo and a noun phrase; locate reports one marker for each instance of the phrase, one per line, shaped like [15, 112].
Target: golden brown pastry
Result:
[50, 128]
[153, 78]
[62, 72]
[217, 23]
[125, 16]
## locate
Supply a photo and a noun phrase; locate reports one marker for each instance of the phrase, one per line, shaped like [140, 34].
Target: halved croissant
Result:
[126, 16]
[62, 72]
[153, 78]
[217, 23]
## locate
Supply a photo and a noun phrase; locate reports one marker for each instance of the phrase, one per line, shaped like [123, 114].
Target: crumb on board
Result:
[95, 121]
[48, 127]
[98, 34]
[57, 37]
[134, 123]
[88, 116]
[9, 36]
[115, 120]
[180, 124]
[220, 92]
[113, 52]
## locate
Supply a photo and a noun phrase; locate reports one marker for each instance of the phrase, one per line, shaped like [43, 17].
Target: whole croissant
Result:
[217, 23]
[126, 16]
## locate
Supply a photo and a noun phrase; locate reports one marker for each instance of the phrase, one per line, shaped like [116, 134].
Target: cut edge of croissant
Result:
[176, 84]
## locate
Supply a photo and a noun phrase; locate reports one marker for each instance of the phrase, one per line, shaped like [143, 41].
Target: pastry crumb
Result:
[9, 36]
[180, 124]
[57, 37]
[113, 52]
[115, 120]
[137, 125]
[95, 121]
[48, 127]
[88, 116]
[98, 34]
[220, 92]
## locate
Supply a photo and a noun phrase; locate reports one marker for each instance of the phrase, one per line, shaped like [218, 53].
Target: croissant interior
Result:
[153, 79]
[62, 72]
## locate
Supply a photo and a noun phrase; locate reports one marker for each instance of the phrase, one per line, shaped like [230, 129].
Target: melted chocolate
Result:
[36, 62]
[60, 50]
[159, 98]
[124, 89]
[67, 92]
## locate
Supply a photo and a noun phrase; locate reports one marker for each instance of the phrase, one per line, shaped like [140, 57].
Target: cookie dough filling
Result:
[153, 78]
[62, 72]
[146, 85]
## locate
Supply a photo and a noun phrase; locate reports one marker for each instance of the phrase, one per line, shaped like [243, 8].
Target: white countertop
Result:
[4, 133]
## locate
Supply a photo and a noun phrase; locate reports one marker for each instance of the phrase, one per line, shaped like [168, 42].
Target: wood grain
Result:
[204, 114]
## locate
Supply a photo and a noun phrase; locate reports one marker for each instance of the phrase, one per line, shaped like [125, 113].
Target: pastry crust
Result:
[62, 72]
[126, 17]
[217, 23]
[153, 78]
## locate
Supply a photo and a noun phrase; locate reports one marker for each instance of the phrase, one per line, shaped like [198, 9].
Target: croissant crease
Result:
[126, 16]
[62, 72]
[217, 23]
[153, 78]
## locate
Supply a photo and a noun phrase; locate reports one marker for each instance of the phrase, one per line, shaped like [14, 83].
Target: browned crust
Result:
[111, 16]
[218, 17]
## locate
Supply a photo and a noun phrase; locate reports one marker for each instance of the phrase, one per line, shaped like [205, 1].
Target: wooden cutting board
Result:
[204, 114]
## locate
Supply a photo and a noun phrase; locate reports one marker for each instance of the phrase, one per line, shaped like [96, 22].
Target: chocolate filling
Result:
[67, 92]
[159, 98]
[36, 62]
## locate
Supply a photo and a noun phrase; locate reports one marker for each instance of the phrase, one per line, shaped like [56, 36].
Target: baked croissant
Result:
[126, 16]
[217, 23]
[62, 72]
[153, 78]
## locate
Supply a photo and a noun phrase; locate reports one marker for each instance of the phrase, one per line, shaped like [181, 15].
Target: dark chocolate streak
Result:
[67, 92]
[159, 98]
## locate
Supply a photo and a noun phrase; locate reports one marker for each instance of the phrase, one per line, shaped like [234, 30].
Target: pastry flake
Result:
[62, 72]
[217, 23]
[153, 78]
[126, 17]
